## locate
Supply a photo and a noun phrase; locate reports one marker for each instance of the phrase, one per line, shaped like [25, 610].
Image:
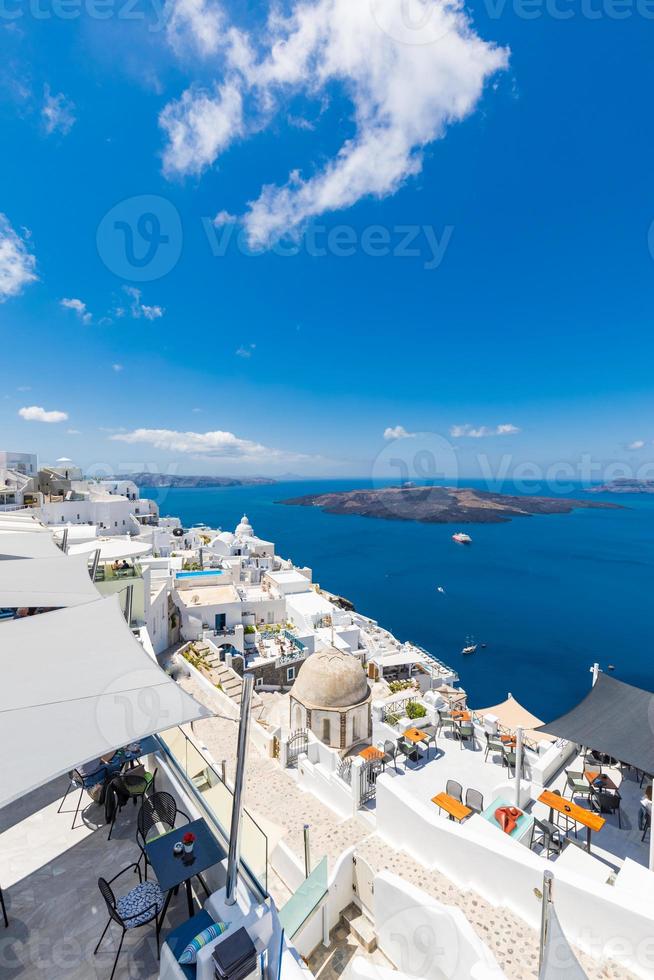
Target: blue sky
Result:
[509, 154]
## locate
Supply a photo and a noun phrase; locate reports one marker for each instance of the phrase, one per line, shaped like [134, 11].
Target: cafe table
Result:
[415, 735]
[591, 821]
[371, 754]
[607, 782]
[173, 870]
[453, 807]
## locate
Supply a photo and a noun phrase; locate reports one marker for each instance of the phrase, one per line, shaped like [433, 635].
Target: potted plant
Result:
[188, 840]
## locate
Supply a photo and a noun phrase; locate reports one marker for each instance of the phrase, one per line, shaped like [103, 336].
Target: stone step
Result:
[361, 928]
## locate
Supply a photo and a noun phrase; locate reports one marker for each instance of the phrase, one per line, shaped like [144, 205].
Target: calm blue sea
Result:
[549, 595]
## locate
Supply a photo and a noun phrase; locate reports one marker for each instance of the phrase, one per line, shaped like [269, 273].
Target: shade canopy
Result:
[17, 545]
[111, 548]
[48, 582]
[76, 685]
[511, 714]
[614, 718]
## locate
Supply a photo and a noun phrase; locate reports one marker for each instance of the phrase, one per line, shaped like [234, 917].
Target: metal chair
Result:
[445, 720]
[454, 789]
[142, 904]
[464, 731]
[558, 815]
[508, 759]
[607, 803]
[408, 750]
[474, 800]
[128, 786]
[390, 753]
[493, 744]
[430, 732]
[81, 782]
[644, 821]
[546, 834]
[577, 784]
[158, 812]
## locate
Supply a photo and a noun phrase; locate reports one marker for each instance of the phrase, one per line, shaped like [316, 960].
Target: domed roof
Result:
[225, 536]
[244, 529]
[331, 679]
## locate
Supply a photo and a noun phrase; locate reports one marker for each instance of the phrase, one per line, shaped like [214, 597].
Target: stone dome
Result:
[331, 679]
[244, 529]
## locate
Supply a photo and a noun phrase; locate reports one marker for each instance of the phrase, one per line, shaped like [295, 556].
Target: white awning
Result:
[12, 521]
[399, 659]
[16, 545]
[112, 548]
[76, 684]
[46, 582]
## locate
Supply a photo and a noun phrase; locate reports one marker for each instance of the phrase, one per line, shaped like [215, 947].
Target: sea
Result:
[548, 595]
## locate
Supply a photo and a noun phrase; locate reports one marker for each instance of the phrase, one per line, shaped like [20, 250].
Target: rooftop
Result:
[207, 595]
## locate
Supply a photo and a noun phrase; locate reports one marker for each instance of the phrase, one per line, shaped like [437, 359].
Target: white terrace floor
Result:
[49, 875]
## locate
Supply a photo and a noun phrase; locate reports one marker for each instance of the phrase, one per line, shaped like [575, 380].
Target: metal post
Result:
[223, 771]
[95, 563]
[201, 559]
[518, 763]
[544, 914]
[239, 779]
[64, 541]
[595, 669]
[129, 598]
[307, 852]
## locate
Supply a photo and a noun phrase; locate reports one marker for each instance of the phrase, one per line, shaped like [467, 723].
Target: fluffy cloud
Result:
[57, 112]
[36, 413]
[405, 87]
[218, 444]
[79, 307]
[17, 264]
[117, 367]
[398, 432]
[636, 444]
[139, 309]
[470, 432]
[245, 350]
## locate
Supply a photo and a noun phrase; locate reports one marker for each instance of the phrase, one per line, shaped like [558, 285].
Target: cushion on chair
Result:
[138, 903]
[191, 951]
[178, 939]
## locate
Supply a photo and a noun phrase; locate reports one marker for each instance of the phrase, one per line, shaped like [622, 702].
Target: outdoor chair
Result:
[508, 758]
[159, 813]
[577, 784]
[408, 750]
[559, 816]
[644, 821]
[493, 744]
[128, 786]
[464, 731]
[142, 904]
[390, 753]
[445, 720]
[546, 834]
[430, 732]
[454, 789]
[78, 781]
[607, 803]
[474, 800]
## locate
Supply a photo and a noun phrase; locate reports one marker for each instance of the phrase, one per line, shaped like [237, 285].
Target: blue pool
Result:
[208, 571]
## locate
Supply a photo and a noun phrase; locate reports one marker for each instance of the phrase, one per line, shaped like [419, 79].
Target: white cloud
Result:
[195, 25]
[73, 432]
[470, 432]
[117, 367]
[636, 444]
[398, 432]
[245, 350]
[138, 309]
[36, 413]
[218, 444]
[24, 388]
[17, 264]
[79, 307]
[57, 113]
[404, 93]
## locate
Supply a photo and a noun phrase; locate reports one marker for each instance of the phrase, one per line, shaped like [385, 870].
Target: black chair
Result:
[607, 803]
[390, 753]
[454, 789]
[474, 800]
[78, 781]
[644, 821]
[546, 834]
[158, 812]
[128, 786]
[142, 904]
[493, 744]
[4, 910]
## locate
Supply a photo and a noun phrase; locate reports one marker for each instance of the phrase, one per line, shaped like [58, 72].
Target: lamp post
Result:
[518, 764]
[234, 855]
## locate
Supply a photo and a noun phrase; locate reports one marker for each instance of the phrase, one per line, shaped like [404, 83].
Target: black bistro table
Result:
[173, 870]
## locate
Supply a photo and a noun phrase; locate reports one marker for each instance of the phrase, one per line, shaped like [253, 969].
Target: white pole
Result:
[548, 877]
[595, 669]
[518, 764]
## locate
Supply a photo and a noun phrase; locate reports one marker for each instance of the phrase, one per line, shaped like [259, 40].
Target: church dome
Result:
[244, 529]
[331, 679]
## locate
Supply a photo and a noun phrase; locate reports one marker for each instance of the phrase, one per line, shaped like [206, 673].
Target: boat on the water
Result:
[461, 538]
[469, 646]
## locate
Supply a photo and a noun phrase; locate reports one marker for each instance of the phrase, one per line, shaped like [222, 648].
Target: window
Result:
[326, 730]
[290, 674]
[258, 682]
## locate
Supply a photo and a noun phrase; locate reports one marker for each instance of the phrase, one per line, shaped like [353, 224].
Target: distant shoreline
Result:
[441, 505]
[624, 485]
[164, 481]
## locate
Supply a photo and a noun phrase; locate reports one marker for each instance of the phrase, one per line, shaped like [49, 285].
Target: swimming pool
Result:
[208, 571]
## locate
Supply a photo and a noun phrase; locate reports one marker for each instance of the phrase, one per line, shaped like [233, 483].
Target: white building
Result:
[25, 463]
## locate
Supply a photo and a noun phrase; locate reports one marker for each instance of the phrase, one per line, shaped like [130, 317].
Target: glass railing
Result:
[305, 900]
[107, 573]
[217, 798]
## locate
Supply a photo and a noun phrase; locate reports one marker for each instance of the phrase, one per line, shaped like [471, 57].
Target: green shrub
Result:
[249, 629]
[415, 710]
